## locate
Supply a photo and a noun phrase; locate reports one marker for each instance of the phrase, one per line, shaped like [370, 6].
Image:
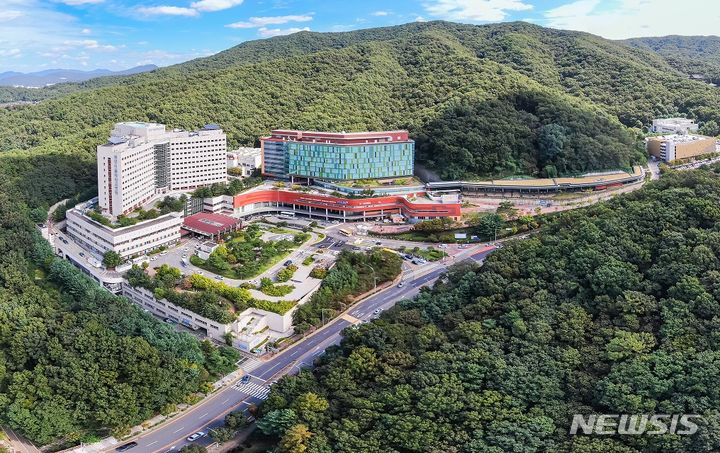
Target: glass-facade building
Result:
[338, 156]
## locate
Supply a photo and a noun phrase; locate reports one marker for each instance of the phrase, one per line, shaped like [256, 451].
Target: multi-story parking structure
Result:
[143, 160]
[337, 156]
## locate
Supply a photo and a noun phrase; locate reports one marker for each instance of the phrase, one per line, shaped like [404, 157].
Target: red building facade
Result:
[323, 206]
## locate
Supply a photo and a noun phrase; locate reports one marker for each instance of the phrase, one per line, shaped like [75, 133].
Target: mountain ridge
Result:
[53, 76]
[499, 99]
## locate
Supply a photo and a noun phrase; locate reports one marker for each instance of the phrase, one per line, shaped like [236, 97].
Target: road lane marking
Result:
[203, 415]
[175, 432]
[225, 401]
[152, 443]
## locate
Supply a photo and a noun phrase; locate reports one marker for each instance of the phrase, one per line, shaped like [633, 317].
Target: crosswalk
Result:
[253, 389]
[250, 364]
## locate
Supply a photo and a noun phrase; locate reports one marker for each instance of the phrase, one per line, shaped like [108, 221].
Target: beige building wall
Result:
[694, 148]
[653, 147]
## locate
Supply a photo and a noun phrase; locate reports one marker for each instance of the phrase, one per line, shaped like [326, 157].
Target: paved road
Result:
[210, 413]
[19, 443]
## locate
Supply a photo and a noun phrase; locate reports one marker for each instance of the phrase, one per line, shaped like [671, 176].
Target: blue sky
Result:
[117, 34]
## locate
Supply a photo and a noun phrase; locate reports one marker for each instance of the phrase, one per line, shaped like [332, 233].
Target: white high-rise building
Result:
[143, 160]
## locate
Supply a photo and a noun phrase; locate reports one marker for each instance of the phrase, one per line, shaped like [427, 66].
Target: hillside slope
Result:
[496, 99]
[691, 55]
[611, 309]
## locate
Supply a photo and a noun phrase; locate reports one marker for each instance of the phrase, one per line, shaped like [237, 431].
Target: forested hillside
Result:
[692, 55]
[75, 361]
[612, 309]
[564, 98]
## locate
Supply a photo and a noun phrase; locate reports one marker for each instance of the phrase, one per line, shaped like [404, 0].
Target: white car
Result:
[196, 436]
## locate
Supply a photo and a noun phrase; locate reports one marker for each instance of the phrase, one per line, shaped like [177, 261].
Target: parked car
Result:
[378, 243]
[82, 254]
[127, 446]
[196, 436]
[287, 263]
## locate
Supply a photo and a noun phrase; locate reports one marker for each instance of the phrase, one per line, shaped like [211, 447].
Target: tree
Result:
[710, 128]
[507, 210]
[38, 215]
[277, 422]
[236, 420]
[489, 225]
[193, 448]
[222, 435]
[112, 259]
[296, 439]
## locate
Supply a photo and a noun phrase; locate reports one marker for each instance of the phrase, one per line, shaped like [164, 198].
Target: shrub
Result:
[318, 272]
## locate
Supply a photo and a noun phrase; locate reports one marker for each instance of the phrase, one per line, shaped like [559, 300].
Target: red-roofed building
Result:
[210, 225]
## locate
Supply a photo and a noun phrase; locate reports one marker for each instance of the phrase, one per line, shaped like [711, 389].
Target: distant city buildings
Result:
[673, 126]
[675, 147]
[143, 160]
[337, 156]
[246, 160]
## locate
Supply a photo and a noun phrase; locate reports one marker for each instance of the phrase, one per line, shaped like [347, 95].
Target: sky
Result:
[118, 34]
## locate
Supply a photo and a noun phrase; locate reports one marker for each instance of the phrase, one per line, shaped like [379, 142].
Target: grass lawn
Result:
[430, 254]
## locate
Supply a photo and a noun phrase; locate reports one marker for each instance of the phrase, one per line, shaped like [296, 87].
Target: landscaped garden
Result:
[430, 253]
[202, 295]
[247, 255]
[165, 206]
[353, 274]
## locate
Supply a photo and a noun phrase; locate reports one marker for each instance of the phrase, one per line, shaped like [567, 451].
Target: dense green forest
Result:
[75, 361]
[691, 55]
[611, 309]
[435, 79]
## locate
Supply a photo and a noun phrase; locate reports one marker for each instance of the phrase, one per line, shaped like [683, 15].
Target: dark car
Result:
[287, 263]
[126, 447]
[245, 379]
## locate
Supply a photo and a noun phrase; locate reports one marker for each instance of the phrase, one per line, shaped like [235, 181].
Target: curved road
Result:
[209, 414]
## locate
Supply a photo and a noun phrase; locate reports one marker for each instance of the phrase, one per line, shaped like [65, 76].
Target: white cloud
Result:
[167, 11]
[474, 10]
[10, 53]
[380, 13]
[10, 15]
[85, 31]
[270, 32]
[578, 8]
[257, 22]
[215, 5]
[634, 18]
[81, 2]
[420, 19]
[89, 44]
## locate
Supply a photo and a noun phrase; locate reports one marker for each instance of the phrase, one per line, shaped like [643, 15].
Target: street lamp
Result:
[322, 315]
[374, 277]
